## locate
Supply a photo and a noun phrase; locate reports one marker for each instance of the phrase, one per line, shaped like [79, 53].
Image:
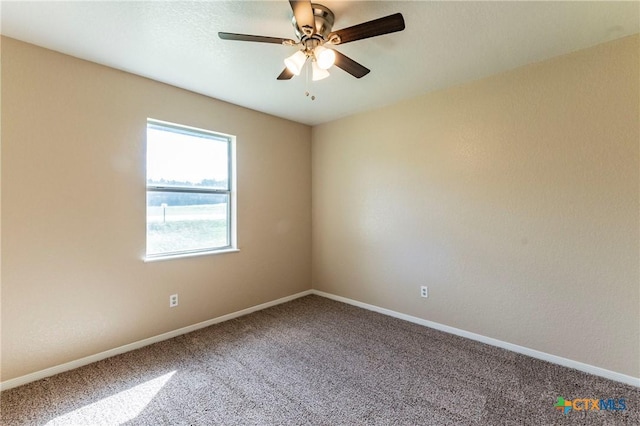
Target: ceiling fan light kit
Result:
[324, 57]
[295, 62]
[318, 73]
[313, 24]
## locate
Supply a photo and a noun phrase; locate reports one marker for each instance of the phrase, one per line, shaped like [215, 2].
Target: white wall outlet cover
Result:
[173, 300]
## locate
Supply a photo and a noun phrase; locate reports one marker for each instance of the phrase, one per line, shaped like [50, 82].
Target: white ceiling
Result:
[444, 44]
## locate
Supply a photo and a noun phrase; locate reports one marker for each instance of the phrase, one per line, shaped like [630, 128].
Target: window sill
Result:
[185, 255]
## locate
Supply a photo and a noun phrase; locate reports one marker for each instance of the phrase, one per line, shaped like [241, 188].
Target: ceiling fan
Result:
[313, 24]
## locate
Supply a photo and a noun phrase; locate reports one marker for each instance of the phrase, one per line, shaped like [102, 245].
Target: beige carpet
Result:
[315, 361]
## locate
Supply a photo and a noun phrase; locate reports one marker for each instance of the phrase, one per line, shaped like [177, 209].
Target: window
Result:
[190, 191]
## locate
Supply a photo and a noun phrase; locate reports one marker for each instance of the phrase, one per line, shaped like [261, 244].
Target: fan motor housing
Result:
[324, 19]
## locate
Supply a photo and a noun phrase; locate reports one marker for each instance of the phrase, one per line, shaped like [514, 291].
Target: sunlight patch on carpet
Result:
[116, 409]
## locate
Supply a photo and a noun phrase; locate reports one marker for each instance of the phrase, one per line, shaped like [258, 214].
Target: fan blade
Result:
[261, 39]
[380, 26]
[285, 74]
[303, 12]
[350, 66]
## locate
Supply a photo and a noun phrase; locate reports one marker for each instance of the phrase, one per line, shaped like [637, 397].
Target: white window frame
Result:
[230, 191]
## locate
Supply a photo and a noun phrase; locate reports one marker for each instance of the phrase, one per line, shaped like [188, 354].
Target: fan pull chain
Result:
[306, 93]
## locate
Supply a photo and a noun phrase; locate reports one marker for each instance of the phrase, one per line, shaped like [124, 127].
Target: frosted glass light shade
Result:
[318, 73]
[295, 62]
[325, 57]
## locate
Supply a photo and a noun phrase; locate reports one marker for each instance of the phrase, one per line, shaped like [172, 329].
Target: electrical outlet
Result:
[173, 300]
[424, 291]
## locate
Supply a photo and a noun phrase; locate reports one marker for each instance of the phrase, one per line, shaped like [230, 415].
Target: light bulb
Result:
[325, 57]
[318, 73]
[295, 62]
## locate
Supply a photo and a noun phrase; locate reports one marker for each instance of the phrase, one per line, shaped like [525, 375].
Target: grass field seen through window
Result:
[174, 229]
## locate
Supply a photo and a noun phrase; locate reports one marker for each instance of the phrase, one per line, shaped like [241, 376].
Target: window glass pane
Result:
[179, 221]
[181, 158]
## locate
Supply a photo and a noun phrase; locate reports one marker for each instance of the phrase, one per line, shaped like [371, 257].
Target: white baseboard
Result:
[32, 377]
[587, 368]
[608, 374]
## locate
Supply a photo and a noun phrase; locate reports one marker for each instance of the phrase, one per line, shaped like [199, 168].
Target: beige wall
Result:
[73, 211]
[515, 199]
